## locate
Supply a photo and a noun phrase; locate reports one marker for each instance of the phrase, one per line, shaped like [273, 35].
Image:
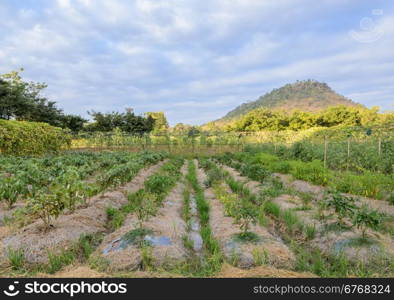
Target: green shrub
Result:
[342, 205]
[31, 138]
[159, 184]
[364, 219]
[46, 207]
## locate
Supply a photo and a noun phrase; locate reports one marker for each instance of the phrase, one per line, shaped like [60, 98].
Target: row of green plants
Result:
[368, 184]
[343, 206]
[374, 155]
[67, 190]
[238, 205]
[21, 178]
[212, 258]
[297, 234]
[145, 202]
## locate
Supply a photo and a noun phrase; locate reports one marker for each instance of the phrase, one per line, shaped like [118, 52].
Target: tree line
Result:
[278, 120]
[23, 101]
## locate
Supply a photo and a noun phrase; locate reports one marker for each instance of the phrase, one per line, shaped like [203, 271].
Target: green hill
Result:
[308, 95]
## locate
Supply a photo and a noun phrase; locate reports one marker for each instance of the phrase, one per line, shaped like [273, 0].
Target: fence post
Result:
[348, 153]
[380, 146]
[325, 151]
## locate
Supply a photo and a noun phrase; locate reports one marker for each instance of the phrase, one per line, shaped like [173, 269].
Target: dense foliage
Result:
[31, 138]
[308, 95]
[127, 122]
[52, 184]
[368, 184]
[265, 119]
[22, 100]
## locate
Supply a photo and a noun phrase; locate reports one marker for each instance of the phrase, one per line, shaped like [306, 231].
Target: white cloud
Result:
[194, 60]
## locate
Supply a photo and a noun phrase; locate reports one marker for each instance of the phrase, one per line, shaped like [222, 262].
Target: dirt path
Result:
[229, 271]
[168, 229]
[67, 229]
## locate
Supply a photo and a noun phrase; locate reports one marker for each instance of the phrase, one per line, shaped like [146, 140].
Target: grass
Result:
[291, 220]
[186, 206]
[365, 183]
[310, 231]
[58, 260]
[212, 256]
[16, 257]
[79, 251]
[272, 208]
[115, 217]
[247, 237]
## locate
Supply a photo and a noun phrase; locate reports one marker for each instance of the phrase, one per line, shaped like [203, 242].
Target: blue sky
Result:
[196, 60]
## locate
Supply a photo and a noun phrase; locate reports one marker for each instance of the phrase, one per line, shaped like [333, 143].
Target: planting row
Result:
[344, 236]
[368, 184]
[44, 188]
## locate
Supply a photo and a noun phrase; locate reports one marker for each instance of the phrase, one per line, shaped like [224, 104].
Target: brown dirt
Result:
[67, 229]
[329, 243]
[75, 272]
[287, 201]
[167, 222]
[229, 271]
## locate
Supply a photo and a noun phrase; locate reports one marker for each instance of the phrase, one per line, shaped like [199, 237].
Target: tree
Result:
[13, 100]
[23, 101]
[160, 124]
[73, 122]
[126, 122]
[181, 128]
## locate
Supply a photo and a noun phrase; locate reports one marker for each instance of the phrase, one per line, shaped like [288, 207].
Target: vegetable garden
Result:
[147, 213]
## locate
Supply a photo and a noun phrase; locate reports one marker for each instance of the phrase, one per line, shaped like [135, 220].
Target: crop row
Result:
[49, 187]
[258, 166]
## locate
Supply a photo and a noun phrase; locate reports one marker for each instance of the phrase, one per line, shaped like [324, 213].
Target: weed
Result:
[57, 261]
[16, 258]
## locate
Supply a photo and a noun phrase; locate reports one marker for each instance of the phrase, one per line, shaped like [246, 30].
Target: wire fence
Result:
[357, 148]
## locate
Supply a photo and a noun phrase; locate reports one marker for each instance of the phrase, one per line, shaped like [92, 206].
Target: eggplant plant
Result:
[10, 189]
[342, 205]
[364, 219]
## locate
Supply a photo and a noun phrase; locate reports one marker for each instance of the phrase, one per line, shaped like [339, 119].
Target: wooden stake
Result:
[325, 151]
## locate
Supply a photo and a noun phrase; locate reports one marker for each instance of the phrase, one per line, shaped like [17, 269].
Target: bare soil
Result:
[229, 271]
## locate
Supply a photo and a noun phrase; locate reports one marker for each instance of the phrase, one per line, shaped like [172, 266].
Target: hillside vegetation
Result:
[308, 95]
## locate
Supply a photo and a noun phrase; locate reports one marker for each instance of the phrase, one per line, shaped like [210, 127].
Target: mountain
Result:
[307, 95]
